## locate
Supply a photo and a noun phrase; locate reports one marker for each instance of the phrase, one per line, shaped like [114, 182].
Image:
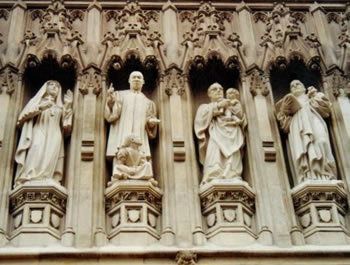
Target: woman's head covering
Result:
[33, 104]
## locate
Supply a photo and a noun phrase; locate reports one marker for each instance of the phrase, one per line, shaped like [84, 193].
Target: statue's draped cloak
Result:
[309, 140]
[40, 151]
[219, 144]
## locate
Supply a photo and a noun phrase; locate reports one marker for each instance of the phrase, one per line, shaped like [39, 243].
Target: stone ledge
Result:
[170, 252]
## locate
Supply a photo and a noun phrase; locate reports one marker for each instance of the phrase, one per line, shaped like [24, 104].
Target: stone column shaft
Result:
[320, 20]
[16, 30]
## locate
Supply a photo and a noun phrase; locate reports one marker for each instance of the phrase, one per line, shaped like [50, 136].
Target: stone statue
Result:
[130, 112]
[219, 128]
[301, 116]
[131, 162]
[40, 152]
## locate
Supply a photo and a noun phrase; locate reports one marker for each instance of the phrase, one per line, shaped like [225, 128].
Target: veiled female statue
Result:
[301, 116]
[40, 152]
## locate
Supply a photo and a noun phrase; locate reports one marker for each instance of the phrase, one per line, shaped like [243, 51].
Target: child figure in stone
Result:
[131, 163]
[234, 111]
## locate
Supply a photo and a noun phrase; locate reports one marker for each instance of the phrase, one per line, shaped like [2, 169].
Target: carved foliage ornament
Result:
[8, 80]
[279, 22]
[90, 81]
[37, 196]
[174, 80]
[125, 196]
[340, 85]
[206, 20]
[186, 258]
[76, 15]
[320, 196]
[4, 14]
[259, 84]
[56, 18]
[37, 14]
[227, 196]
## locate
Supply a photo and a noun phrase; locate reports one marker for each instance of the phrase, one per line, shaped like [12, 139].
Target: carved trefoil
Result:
[37, 211]
[133, 211]
[228, 212]
[321, 208]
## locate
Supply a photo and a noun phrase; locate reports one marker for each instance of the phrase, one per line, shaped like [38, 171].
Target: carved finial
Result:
[95, 4]
[169, 5]
[20, 4]
[315, 7]
[243, 6]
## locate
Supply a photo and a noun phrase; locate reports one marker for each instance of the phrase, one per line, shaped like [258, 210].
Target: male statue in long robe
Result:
[301, 116]
[130, 112]
[219, 128]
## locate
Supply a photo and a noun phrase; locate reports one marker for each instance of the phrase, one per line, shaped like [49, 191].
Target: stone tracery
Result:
[139, 33]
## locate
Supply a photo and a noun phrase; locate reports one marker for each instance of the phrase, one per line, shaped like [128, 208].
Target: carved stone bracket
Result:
[91, 80]
[228, 208]
[37, 211]
[339, 84]
[133, 209]
[259, 88]
[321, 207]
[186, 258]
[175, 80]
[8, 79]
[90, 87]
[258, 84]
[8, 83]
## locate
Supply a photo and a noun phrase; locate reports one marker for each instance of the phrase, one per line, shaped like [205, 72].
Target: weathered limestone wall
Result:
[181, 48]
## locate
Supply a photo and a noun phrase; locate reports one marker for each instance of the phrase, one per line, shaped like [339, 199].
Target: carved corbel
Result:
[8, 79]
[90, 87]
[260, 90]
[186, 258]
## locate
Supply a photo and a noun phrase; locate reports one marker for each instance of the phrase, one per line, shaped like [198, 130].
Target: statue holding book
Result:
[301, 115]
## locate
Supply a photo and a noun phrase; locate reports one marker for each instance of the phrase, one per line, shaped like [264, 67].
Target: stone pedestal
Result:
[228, 211]
[133, 210]
[37, 211]
[321, 207]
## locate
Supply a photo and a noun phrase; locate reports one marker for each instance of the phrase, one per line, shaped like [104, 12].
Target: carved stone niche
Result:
[321, 207]
[228, 209]
[37, 210]
[133, 210]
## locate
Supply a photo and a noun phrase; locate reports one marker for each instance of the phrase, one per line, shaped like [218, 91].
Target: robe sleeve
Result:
[321, 104]
[151, 113]
[204, 116]
[28, 114]
[112, 114]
